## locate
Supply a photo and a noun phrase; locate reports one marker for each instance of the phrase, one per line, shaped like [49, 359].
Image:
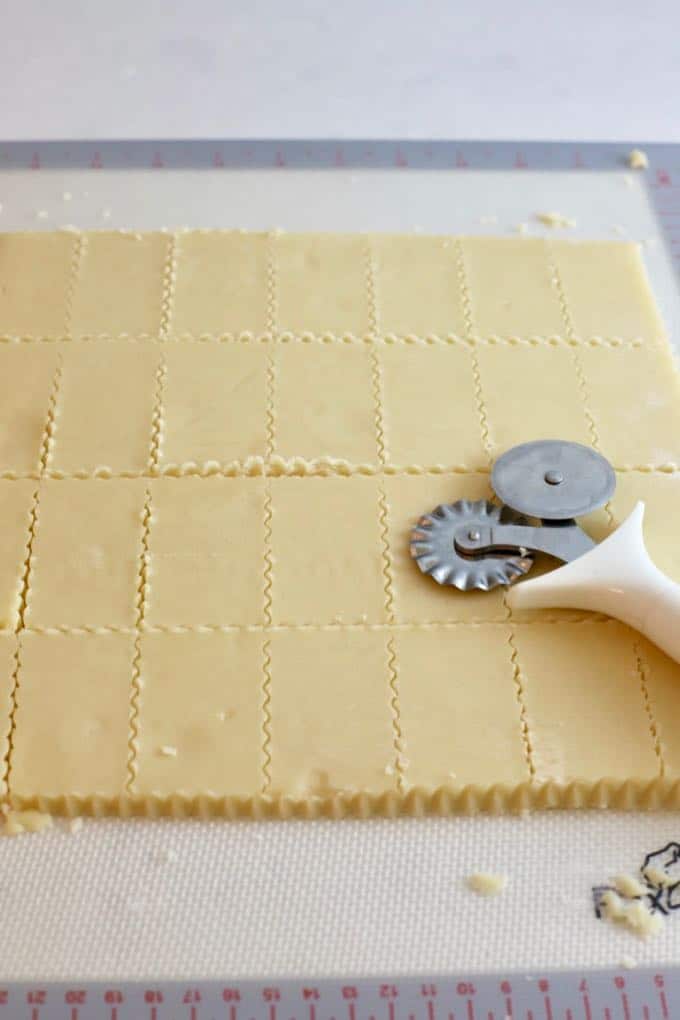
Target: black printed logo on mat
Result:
[659, 874]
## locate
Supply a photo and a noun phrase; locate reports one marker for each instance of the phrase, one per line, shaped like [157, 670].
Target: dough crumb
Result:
[618, 229]
[555, 220]
[75, 825]
[488, 219]
[636, 916]
[658, 877]
[166, 856]
[167, 751]
[628, 962]
[486, 884]
[522, 228]
[389, 770]
[628, 180]
[629, 886]
[67, 196]
[106, 214]
[42, 214]
[637, 159]
[69, 228]
[17, 822]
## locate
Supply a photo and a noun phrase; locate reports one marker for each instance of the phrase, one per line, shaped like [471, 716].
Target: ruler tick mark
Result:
[664, 1005]
[586, 1008]
[470, 1010]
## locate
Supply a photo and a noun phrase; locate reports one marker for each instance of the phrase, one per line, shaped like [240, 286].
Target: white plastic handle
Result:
[617, 577]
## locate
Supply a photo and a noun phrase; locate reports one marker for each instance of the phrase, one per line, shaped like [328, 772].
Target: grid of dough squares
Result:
[212, 449]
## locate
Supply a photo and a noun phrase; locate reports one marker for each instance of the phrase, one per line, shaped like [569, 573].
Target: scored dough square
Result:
[325, 402]
[430, 408]
[16, 499]
[119, 289]
[606, 290]
[86, 554]
[8, 644]
[322, 283]
[417, 598]
[36, 271]
[327, 552]
[27, 376]
[511, 286]
[201, 695]
[221, 284]
[598, 726]
[215, 402]
[340, 735]
[531, 393]
[73, 716]
[105, 407]
[637, 418]
[418, 286]
[207, 551]
[459, 710]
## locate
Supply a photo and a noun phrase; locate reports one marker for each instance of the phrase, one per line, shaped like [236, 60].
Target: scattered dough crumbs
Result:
[488, 219]
[522, 228]
[75, 825]
[17, 822]
[555, 220]
[636, 916]
[637, 160]
[167, 751]
[629, 886]
[486, 884]
[628, 962]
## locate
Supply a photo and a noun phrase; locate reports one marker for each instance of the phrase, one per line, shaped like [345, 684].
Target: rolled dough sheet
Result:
[212, 449]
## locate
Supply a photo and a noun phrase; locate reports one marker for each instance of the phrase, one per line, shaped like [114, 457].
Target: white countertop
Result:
[303, 68]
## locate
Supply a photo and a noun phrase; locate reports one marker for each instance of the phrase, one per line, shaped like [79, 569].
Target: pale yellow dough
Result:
[213, 447]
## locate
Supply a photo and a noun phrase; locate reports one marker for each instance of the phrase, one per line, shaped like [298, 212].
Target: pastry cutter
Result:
[542, 486]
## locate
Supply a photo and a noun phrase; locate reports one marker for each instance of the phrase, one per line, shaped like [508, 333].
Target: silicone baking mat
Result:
[141, 899]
